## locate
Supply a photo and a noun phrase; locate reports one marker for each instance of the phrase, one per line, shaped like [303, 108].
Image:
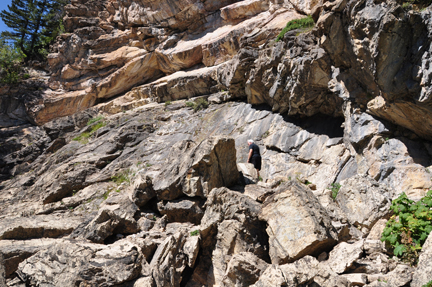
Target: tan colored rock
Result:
[343, 255]
[244, 269]
[16, 251]
[363, 200]
[171, 258]
[38, 226]
[297, 224]
[117, 214]
[356, 279]
[69, 263]
[243, 9]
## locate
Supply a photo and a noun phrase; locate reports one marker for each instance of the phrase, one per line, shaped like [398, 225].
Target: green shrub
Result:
[335, 189]
[429, 284]
[123, 176]
[94, 120]
[303, 23]
[194, 233]
[84, 137]
[167, 103]
[10, 64]
[199, 104]
[409, 227]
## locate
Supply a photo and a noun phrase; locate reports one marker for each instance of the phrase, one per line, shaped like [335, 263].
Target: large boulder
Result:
[195, 169]
[172, 257]
[230, 227]
[116, 216]
[363, 200]
[71, 263]
[297, 224]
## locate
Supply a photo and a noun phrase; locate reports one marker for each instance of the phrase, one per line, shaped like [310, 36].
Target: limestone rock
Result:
[203, 167]
[38, 226]
[230, 226]
[297, 224]
[16, 251]
[363, 200]
[423, 273]
[182, 210]
[244, 269]
[171, 258]
[143, 191]
[70, 263]
[343, 255]
[116, 216]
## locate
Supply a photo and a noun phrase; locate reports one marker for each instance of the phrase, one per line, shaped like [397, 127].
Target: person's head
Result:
[250, 142]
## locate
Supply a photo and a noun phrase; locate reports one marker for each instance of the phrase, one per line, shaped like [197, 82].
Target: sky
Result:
[3, 6]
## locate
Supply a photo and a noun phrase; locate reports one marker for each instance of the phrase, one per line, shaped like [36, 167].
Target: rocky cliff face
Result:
[111, 175]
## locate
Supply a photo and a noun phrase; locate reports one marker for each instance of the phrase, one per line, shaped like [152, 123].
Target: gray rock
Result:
[16, 251]
[38, 226]
[172, 257]
[244, 269]
[363, 200]
[143, 191]
[72, 263]
[2, 271]
[297, 224]
[182, 210]
[423, 272]
[116, 216]
[202, 167]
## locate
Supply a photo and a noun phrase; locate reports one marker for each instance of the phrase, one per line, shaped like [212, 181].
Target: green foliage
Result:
[84, 137]
[123, 176]
[167, 103]
[429, 284]
[194, 233]
[422, 3]
[409, 227]
[34, 24]
[199, 104]
[94, 120]
[303, 24]
[334, 187]
[10, 63]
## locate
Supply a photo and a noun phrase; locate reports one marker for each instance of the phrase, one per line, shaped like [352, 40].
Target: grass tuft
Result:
[303, 23]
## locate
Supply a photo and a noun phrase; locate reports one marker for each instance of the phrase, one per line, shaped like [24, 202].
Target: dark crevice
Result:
[319, 124]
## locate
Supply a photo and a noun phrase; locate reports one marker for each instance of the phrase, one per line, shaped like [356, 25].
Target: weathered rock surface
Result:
[363, 201]
[353, 99]
[37, 226]
[297, 224]
[424, 272]
[72, 263]
[203, 167]
[343, 255]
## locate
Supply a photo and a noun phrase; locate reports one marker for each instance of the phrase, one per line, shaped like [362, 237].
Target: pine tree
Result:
[34, 24]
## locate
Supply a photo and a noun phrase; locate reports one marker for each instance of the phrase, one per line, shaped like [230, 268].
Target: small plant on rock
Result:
[429, 284]
[199, 104]
[84, 137]
[121, 177]
[409, 227]
[94, 120]
[194, 233]
[334, 187]
[304, 24]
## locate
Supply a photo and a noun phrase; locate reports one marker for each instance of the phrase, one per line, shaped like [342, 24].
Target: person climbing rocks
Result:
[254, 156]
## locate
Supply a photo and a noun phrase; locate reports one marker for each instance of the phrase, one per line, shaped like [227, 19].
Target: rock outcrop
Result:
[126, 164]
